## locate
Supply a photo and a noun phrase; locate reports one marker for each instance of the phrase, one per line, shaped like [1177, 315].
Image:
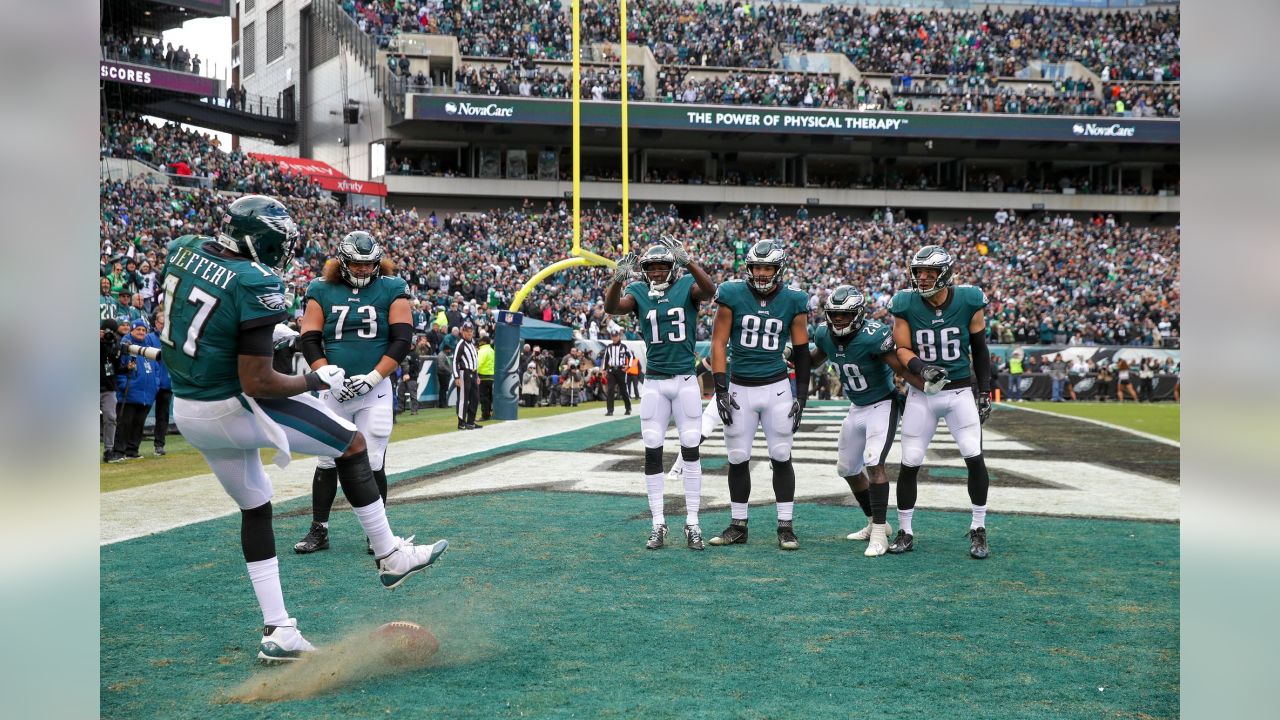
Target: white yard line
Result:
[1121, 428]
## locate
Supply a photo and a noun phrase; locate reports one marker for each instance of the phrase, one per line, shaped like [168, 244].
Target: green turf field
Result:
[547, 605]
[181, 460]
[1161, 419]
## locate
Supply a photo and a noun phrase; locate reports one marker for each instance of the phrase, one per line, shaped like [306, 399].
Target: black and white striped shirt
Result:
[616, 357]
[464, 357]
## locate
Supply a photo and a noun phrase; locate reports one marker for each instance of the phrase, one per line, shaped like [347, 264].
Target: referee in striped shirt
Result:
[466, 379]
[616, 357]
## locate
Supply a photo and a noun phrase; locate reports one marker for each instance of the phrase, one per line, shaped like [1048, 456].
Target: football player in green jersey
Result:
[864, 356]
[755, 317]
[222, 300]
[666, 305]
[935, 326]
[356, 316]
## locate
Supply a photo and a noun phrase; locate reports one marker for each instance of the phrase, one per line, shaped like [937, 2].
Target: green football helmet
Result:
[766, 252]
[359, 247]
[658, 255]
[260, 228]
[846, 299]
[932, 257]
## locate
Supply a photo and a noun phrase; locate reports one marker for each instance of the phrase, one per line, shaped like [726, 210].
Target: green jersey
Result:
[666, 324]
[109, 309]
[356, 320]
[761, 327]
[940, 335]
[209, 300]
[865, 376]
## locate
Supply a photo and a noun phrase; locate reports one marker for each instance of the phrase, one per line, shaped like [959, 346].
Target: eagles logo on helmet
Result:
[845, 300]
[260, 228]
[932, 257]
[359, 248]
[766, 253]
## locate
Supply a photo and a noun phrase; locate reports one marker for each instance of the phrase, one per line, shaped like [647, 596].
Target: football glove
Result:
[358, 385]
[624, 269]
[330, 377]
[797, 410]
[984, 406]
[725, 404]
[677, 250]
[934, 379]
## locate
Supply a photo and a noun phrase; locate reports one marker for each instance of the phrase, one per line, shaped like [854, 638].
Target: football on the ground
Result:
[405, 643]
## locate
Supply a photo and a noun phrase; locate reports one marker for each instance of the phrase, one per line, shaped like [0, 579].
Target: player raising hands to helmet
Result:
[358, 317]
[222, 299]
[862, 351]
[935, 326]
[665, 304]
[755, 318]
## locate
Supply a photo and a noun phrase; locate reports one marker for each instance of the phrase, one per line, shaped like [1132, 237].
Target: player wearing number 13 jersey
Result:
[666, 306]
[756, 317]
[356, 316]
[935, 326]
[222, 300]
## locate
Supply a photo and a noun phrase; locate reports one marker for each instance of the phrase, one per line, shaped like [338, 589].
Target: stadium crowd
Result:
[525, 79]
[150, 51]
[1120, 46]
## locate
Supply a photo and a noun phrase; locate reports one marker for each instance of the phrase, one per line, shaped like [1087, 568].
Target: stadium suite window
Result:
[275, 32]
[249, 44]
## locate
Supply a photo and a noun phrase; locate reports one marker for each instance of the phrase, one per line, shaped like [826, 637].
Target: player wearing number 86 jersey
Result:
[936, 326]
[756, 317]
[666, 306]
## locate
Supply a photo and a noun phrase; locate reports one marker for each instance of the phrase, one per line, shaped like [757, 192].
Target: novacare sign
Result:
[785, 121]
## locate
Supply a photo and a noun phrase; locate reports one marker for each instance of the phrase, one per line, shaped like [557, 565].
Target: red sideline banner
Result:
[155, 77]
[325, 175]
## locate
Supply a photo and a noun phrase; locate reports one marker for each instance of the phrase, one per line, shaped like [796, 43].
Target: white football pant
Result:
[866, 436]
[767, 406]
[230, 432]
[678, 398]
[372, 414]
[920, 420]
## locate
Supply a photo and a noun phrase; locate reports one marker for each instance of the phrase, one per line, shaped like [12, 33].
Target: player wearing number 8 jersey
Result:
[755, 318]
[222, 300]
[935, 326]
[666, 306]
[862, 352]
[356, 316]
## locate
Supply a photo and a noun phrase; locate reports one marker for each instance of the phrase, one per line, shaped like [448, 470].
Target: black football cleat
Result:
[904, 542]
[786, 536]
[735, 534]
[317, 538]
[693, 537]
[978, 543]
[657, 538]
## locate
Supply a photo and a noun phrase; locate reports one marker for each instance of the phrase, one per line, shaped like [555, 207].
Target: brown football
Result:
[406, 643]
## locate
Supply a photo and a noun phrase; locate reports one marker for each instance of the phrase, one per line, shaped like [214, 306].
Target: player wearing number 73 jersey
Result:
[935, 326]
[222, 300]
[666, 306]
[756, 317]
[356, 316]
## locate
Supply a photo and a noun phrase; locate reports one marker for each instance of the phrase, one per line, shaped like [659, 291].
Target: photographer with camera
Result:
[108, 358]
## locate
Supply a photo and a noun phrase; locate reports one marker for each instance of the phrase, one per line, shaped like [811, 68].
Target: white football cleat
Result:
[879, 541]
[676, 471]
[406, 560]
[283, 643]
[865, 533]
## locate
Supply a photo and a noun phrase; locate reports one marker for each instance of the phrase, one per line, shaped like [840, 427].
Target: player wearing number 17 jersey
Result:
[756, 317]
[357, 316]
[935, 326]
[666, 306]
[222, 300]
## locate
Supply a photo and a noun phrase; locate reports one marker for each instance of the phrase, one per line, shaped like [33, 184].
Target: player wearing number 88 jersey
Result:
[936, 326]
[756, 317]
[356, 316]
[666, 307]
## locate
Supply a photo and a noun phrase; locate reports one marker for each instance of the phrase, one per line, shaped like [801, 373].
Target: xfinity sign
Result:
[492, 110]
[1096, 130]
